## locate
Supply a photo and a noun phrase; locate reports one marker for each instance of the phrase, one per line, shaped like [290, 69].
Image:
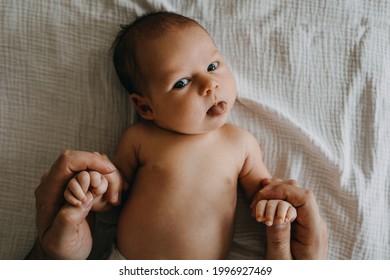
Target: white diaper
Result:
[115, 254]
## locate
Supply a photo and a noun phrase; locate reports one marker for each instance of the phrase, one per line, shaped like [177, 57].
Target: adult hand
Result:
[63, 232]
[309, 236]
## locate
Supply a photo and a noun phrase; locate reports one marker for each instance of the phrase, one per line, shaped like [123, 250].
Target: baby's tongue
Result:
[218, 109]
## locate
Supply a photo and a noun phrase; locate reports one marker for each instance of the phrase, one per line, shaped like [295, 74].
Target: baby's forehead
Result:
[153, 44]
[157, 34]
[175, 53]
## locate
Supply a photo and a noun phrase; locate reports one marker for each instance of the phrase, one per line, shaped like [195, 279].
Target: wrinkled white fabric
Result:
[313, 87]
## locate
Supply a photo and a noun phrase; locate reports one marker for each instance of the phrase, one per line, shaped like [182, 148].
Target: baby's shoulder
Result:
[237, 133]
[138, 130]
[240, 137]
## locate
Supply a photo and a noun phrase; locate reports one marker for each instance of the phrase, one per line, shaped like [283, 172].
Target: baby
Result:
[183, 161]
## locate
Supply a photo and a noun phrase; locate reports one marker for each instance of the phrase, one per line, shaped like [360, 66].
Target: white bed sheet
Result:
[313, 87]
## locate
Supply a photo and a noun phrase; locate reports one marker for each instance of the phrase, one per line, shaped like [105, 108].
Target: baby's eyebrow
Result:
[168, 75]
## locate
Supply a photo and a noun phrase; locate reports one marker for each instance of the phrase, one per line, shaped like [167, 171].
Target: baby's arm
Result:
[276, 214]
[254, 169]
[126, 156]
[251, 176]
[88, 181]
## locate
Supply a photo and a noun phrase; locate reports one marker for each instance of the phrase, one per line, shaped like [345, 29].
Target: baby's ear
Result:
[142, 105]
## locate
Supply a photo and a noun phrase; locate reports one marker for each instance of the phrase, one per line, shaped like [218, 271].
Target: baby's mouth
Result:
[217, 109]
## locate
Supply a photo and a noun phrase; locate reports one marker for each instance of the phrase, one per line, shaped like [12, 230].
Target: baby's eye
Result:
[213, 66]
[180, 84]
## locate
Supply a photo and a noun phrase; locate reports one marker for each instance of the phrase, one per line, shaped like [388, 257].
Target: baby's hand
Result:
[83, 182]
[274, 212]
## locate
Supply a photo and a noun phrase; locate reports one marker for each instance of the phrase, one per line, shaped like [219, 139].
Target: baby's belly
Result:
[189, 218]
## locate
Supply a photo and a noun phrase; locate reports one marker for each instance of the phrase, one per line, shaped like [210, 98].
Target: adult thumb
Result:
[71, 216]
[278, 242]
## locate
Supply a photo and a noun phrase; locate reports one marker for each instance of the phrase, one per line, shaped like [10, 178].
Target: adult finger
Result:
[44, 175]
[70, 162]
[69, 236]
[70, 216]
[64, 168]
[265, 182]
[278, 242]
[288, 190]
[302, 199]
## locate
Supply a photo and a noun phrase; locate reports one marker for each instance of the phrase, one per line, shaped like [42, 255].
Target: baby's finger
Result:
[84, 180]
[75, 189]
[291, 214]
[96, 179]
[71, 199]
[260, 210]
[281, 212]
[101, 188]
[270, 211]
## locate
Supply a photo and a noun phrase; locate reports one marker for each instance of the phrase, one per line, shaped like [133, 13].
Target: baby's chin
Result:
[215, 118]
[213, 125]
[209, 126]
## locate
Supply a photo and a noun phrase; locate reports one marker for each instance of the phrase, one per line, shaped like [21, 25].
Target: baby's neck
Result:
[179, 133]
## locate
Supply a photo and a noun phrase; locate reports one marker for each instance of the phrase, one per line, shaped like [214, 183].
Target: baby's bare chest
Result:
[191, 165]
[193, 161]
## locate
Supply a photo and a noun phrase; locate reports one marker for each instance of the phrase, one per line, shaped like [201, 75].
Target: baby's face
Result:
[188, 86]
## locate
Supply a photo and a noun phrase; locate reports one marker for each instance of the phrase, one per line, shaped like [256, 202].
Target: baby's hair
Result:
[128, 40]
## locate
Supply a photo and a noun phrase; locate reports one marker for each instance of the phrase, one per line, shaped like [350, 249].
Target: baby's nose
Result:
[210, 86]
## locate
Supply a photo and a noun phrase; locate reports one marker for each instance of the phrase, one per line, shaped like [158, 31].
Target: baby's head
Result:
[174, 73]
